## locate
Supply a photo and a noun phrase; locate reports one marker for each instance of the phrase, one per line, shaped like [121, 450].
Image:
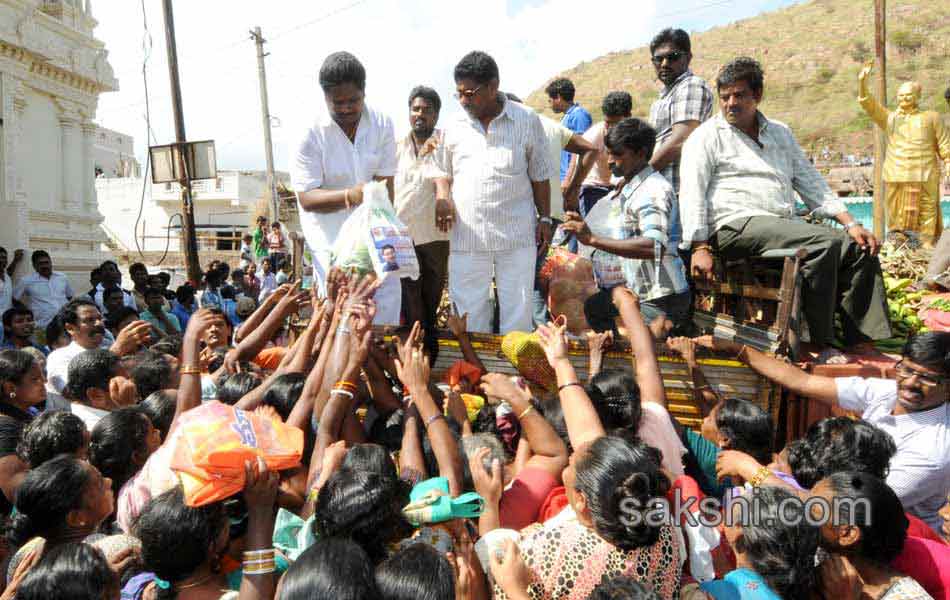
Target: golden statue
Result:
[915, 141]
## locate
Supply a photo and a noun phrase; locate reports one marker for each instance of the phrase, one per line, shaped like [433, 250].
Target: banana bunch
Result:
[902, 306]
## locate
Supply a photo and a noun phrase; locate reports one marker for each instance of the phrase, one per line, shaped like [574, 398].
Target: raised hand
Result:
[412, 366]
[496, 385]
[554, 342]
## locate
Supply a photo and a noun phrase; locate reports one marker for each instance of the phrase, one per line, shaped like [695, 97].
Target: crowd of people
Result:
[465, 484]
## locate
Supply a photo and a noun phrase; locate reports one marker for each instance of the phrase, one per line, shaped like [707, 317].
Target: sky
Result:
[402, 43]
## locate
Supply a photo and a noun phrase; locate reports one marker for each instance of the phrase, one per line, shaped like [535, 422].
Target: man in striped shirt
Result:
[495, 197]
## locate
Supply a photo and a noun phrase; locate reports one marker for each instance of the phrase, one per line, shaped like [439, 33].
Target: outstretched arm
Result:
[641, 346]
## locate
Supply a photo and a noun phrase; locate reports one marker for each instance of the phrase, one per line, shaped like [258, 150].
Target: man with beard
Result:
[348, 146]
[685, 101]
[44, 291]
[496, 163]
[415, 206]
[86, 329]
[913, 408]
[18, 329]
[740, 172]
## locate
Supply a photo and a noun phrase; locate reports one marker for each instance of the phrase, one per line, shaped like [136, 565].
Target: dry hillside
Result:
[811, 53]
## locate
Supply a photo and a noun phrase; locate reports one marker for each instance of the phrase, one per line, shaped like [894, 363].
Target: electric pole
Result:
[880, 139]
[265, 113]
[187, 206]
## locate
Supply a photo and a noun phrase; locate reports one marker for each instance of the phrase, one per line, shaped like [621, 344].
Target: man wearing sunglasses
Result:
[495, 197]
[913, 408]
[685, 101]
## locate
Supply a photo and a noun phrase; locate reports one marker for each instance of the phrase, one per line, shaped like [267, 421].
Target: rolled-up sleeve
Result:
[540, 166]
[810, 185]
[697, 165]
[306, 167]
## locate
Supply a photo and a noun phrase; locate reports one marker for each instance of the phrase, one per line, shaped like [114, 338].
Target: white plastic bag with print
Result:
[374, 239]
[605, 220]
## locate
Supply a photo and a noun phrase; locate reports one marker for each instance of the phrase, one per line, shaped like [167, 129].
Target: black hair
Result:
[874, 508]
[227, 292]
[151, 374]
[780, 543]
[55, 330]
[417, 572]
[513, 97]
[38, 254]
[617, 104]
[742, 69]
[330, 569]
[14, 366]
[70, 312]
[676, 37]
[622, 587]
[138, 267]
[616, 474]
[283, 393]
[176, 538]
[50, 434]
[747, 426]
[106, 263]
[340, 68]
[159, 407]
[428, 94]
[390, 246]
[90, 369]
[930, 349]
[477, 66]
[165, 276]
[116, 439]
[170, 344]
[365, 507]
[840, 444]
[234, 386]
[237, 274]
[561, 88]
[616, 398]
[14, 312]
[11, 432]
[110, 290]
[45, 498]
[371, 458]
[120, 314]
[632, 134]
[184, 293]
[153, 291]
[73, 571]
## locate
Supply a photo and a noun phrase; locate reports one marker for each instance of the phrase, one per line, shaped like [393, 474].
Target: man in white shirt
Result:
[349, 145]
[913, 409]
[97, 386]
[44, 291]
[496, 158]
[739, 172]
[83, 322]
[109, 276]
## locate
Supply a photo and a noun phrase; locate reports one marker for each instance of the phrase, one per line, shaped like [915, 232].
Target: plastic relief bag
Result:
[570, 281]
[374, 239]
[605, 220]
[215, 441]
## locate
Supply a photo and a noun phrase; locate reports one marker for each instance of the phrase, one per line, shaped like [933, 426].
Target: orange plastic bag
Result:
[570, 281]
[217, 439]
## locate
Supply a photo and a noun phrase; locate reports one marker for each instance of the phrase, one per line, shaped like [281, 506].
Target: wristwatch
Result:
[546, 220]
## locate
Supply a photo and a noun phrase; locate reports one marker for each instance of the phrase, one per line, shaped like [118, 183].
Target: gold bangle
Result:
[760, 476]
[525, 412]
[190, 370]
[705, 247]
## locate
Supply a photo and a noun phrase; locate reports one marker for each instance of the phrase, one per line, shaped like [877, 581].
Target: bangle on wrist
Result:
[346, 198]
[561, 388]
[190, 370]
[705, 247]
[545, 220]
[433, 419]
[760, 476]
[525, 412]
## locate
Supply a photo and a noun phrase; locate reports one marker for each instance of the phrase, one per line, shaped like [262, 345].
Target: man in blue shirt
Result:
[576, 118]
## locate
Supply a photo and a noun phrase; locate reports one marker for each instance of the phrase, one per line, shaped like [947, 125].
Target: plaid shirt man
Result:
[647, 204]
[726, 176]
[688, 99]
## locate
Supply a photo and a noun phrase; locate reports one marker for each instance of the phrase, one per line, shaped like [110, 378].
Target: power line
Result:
[694, 9]
[328, 15]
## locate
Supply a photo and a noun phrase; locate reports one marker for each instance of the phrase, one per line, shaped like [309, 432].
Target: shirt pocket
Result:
[505, 161]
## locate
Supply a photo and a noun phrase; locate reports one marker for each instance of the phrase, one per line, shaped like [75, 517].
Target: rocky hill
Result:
[811, 53]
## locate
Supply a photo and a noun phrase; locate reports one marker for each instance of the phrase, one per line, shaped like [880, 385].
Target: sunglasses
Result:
[926, 380]
[468, 93]
[672, 57]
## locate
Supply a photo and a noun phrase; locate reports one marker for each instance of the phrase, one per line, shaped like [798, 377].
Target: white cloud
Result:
[402, 43]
